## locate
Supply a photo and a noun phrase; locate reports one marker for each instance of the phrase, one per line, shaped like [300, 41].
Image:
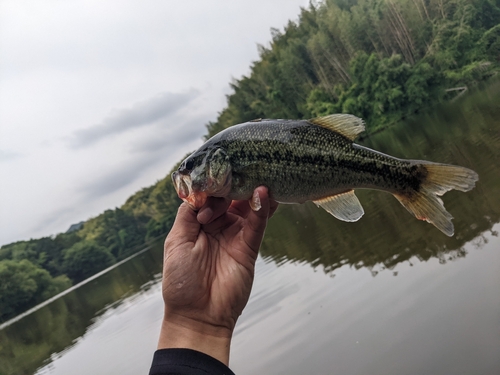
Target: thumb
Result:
[256, 221]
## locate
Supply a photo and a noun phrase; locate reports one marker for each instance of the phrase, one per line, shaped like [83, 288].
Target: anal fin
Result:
[344, 206]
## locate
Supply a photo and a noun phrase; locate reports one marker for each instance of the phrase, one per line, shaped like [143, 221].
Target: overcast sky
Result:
[99, 98]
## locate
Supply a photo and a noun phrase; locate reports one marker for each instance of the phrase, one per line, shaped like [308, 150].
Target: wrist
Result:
[182, 332]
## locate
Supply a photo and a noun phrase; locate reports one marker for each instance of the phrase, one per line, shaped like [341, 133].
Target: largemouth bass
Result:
[316, 160]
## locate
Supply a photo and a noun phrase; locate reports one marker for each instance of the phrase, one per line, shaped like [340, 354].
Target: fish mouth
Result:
[184, 187]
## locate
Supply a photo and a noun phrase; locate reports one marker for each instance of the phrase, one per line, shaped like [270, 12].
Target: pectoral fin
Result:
[345, 206]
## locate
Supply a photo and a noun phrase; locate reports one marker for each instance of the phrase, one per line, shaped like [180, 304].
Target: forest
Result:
[382, 60]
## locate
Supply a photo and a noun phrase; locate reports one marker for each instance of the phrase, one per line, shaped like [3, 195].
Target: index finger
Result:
[186, 226]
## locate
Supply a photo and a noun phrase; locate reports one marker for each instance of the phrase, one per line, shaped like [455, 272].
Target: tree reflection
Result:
[31, 342]
[465, 133]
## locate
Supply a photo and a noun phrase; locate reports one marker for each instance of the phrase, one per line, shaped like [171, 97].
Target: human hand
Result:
[208, 272]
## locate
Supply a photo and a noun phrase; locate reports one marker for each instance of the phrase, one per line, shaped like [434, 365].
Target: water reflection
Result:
[430, 319]
[298, 319]
[466, 133]
[28, 343]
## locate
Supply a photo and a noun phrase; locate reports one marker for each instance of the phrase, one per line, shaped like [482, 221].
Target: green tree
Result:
[116, 230]
[23, 285]
[86, 258]
[45, 252]
[490, 44]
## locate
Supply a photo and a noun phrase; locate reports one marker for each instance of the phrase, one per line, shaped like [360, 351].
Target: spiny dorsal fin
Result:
[347, 125]
[345, 206]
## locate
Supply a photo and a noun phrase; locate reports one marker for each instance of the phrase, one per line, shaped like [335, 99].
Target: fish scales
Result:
[299, 161]
[317, 160]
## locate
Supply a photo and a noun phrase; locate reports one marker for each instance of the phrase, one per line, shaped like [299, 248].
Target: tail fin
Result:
[440, 178]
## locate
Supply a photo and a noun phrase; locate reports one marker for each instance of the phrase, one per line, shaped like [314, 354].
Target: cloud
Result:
[8, 155]
[146, 155]
[141, 114]
[114, 181]
[58, 216]
[170, 138]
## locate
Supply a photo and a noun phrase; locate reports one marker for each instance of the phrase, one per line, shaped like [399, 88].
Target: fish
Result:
[315, 160]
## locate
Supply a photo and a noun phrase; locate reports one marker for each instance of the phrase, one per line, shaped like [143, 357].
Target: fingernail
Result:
[205, 215]
[255, 201]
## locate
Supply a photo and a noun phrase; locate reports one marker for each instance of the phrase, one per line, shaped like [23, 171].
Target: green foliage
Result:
[116, 230]
[490, 44]
[158, 203]
[112, 235]
[23, 285]
[381, 90]
[45, 252]
[26, 345]
[86, 258]
[382, 60]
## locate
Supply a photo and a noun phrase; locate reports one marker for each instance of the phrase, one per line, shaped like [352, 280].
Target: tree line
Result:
[382, 60]
[35, 270]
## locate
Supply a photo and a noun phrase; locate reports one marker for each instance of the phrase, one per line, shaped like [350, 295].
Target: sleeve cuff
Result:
[186, 362]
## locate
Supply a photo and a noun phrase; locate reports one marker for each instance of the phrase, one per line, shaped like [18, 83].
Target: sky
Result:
[99, 99]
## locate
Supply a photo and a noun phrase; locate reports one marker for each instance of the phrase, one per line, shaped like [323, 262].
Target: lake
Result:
[385, 295]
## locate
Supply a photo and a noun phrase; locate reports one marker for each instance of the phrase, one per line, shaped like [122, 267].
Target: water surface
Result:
[385, 295]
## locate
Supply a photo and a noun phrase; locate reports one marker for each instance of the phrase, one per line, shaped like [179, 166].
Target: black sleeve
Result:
[186, 362]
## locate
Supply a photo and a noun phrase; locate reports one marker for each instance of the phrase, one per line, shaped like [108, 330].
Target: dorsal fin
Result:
[347, 125]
